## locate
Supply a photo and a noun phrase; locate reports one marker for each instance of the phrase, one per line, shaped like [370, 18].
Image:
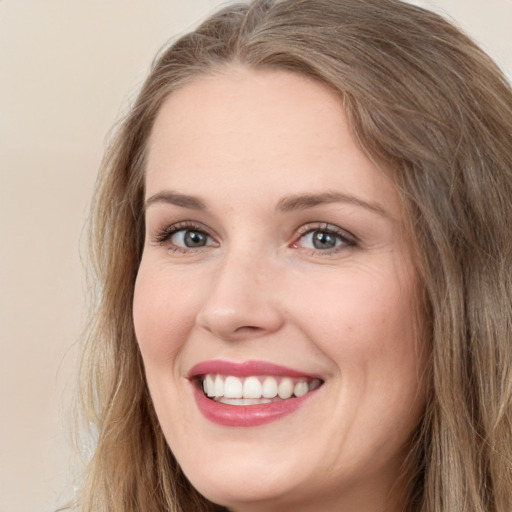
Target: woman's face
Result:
[276, 277]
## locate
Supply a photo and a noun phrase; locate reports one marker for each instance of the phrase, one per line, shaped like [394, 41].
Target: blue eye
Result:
[321, 240]
[184, 237]
[190, 238]
[325, 239]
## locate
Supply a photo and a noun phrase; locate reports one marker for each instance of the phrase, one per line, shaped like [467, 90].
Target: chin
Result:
[248, 489]
[251, 479]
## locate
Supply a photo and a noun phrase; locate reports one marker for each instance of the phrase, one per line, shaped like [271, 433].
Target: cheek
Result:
[364, 313]
[163, 311]
[365, 323]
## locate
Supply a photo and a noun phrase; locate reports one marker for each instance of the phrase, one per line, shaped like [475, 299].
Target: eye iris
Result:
[194, 239]
[323, 240]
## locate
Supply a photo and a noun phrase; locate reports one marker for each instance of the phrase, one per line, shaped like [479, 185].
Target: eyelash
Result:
[165, 235]
[347, 239]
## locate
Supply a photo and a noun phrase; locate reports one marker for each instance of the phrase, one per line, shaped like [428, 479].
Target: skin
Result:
[241, 141]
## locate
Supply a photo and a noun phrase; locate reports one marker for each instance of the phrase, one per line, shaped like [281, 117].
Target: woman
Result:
[302, 237]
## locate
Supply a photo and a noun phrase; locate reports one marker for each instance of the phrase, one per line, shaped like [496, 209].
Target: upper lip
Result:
[245, 369]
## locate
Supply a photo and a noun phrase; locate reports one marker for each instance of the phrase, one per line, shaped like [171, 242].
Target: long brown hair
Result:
[423, 101]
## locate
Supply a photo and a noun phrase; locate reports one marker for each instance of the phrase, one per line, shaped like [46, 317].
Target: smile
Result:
[251, 393]
[254, 390]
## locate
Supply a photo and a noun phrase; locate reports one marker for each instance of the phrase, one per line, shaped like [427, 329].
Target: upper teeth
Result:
[216, 386]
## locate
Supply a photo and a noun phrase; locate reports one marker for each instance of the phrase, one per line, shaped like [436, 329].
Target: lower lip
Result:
[247, 415]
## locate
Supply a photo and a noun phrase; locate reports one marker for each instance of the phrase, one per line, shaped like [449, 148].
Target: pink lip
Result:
[245, 369]
[245, 415]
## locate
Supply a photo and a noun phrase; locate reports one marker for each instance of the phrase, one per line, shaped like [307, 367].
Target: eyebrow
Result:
[305, 201]
[183, 200]
[286, 204]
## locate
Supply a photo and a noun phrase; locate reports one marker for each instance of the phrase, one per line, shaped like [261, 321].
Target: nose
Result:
[241, 301]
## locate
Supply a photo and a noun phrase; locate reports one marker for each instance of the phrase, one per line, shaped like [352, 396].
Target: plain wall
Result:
[67, 70]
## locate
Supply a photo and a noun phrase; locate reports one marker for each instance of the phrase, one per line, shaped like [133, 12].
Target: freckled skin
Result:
[259, 289]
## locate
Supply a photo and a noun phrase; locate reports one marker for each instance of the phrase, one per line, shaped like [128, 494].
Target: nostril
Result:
[248, 328]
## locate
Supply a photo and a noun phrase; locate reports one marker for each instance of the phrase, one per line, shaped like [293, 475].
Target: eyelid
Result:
[163, 235]
[348, 239]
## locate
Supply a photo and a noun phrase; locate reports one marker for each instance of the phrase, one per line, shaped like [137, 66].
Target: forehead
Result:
[265, 129]
[245, 110]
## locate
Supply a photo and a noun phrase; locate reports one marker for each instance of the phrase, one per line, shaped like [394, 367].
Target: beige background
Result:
[67, 70]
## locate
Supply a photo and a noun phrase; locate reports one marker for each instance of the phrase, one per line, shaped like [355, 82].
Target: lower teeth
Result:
[244, 401]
